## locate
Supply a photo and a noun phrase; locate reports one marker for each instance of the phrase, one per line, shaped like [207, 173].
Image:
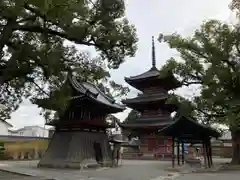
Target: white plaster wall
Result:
[33, 132]
[3, 128]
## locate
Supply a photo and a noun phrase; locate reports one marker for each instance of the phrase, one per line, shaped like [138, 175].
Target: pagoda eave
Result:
[168, 82]
[151, 73]
[146, 124]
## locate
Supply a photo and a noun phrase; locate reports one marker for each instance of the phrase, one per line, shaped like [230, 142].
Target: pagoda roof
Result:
[186, 128]
[91, 91]
[167, 81]
[141, 102]
[146, 124]
[151, 73]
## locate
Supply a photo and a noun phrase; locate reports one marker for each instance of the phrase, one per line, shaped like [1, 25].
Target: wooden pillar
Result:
[173, 152]
[207, 153]
[204, 153]
[211, 152]
[182, 152]
[178, 152]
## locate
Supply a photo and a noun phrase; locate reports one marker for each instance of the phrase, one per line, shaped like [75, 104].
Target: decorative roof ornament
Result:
[153, 54]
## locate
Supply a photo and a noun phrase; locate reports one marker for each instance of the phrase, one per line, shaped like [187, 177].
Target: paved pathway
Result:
[131, 170]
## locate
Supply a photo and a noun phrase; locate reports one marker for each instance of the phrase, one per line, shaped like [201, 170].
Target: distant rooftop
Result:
[26, 127]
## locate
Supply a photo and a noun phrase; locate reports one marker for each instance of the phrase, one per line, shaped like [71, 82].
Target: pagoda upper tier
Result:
[151, 101]
[153, 77]
[154, 86]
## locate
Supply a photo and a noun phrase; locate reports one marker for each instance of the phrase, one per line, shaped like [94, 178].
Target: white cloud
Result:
[151, 18]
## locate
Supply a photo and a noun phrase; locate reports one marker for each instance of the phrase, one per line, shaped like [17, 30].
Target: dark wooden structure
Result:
[187, 130]
[80, 134]
[155, 112]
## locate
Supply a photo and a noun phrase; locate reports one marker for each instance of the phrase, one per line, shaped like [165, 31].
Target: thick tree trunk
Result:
[236, 147]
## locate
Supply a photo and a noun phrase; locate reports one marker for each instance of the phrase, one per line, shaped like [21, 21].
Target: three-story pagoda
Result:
[155, 112]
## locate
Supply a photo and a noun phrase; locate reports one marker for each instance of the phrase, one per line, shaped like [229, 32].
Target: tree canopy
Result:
[37, 45]
[185, 107]
[210, 58]
[235, 6]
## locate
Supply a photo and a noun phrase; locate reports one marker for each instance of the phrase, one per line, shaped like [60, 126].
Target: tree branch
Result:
[191, 83]
[64, 35]
[29, 18]
[211, 115]
[31, 80]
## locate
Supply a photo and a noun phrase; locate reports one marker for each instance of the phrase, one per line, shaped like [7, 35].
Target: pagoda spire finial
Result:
[153, 53]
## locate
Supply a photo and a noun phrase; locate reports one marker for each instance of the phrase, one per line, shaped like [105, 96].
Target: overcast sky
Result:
[150, 18]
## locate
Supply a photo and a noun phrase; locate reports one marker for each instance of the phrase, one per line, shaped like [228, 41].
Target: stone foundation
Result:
[75, 150]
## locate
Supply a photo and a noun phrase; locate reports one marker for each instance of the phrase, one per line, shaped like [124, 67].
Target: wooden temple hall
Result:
[155, 127]
[80, 138]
